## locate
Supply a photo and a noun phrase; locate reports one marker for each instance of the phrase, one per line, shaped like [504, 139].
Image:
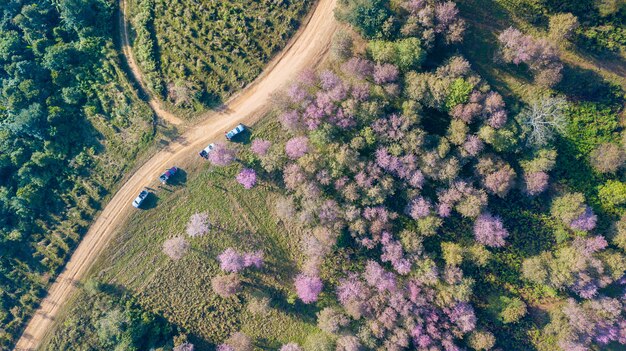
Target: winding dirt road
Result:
[306, 49]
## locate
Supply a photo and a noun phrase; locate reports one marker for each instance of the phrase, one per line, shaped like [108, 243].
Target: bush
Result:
[510, 310]
[459, 93]
[404, 53]
[367, 16]
[612, 193]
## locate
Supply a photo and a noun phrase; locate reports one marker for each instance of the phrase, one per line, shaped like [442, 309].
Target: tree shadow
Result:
[586, 85]
[298, 309]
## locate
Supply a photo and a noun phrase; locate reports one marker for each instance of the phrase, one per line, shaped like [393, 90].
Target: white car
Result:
[205, 152]
[233, 132]
[140, 198]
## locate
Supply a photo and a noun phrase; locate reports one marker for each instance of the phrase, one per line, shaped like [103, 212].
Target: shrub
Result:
[612, 193]
[510, 310]
[404, 53]
[341, 46]
[259, 305]
[562, 27]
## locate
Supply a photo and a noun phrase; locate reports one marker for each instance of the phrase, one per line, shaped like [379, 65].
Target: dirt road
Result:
[306, 49]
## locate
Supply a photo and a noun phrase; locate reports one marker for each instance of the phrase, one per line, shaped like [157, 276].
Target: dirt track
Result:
[136, 72]
[306, 49]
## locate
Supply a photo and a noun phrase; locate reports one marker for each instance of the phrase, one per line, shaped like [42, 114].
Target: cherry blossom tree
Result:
[607, 158]
[247, 178]
[176, 247]
[253, 259]
[308, 288]
[489, 231]
[260, 146]
[331, 320]
[292, 346]
[297, 147]
[198, 224]
[226, 285]
[221, 155]
[540, 55]
[184, 347]
[231, 261]
[572, 211]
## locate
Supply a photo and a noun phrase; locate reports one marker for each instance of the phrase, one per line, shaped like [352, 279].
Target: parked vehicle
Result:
[205, 152]
[235, 131]
[140, 198]
[168, 174]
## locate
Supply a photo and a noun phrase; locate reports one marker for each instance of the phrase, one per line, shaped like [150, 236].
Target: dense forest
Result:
[70, 124]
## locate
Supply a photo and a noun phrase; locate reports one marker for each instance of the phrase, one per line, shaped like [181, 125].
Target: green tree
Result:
[367, 16]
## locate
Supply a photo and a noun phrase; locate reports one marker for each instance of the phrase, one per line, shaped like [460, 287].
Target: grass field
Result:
[180, 290]
[195, 54]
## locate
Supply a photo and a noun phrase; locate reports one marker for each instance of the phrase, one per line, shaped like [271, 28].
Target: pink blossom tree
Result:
[226, 285]
[184, 347]
[535, 183]
[198, 224]
[489, 231]
[231, 260]
[221, 155]
[308, 288]
[297, 147]
[247, 178]
[176, 248]
[260, 146]
[385, 73]
[253, 259]
[292, 346]
[540, 55]
[473, 145]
